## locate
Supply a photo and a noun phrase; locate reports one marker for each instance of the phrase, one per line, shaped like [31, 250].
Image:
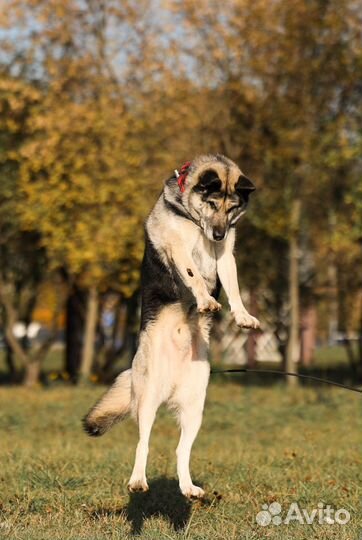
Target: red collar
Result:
[181, 177]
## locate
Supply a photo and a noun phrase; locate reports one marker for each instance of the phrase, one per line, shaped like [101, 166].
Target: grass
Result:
[257, 445]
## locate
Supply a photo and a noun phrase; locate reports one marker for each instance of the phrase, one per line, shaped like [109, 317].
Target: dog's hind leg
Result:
[147, 397]
[190, 418]
[147, 408]
[189, 399]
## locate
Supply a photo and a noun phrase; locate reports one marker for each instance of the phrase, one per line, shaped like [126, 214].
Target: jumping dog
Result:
[190, 236]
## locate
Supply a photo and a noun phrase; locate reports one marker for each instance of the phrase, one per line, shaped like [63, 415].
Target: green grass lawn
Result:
[257, 445]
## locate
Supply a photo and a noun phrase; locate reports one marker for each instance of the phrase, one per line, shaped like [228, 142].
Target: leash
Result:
[289, 374]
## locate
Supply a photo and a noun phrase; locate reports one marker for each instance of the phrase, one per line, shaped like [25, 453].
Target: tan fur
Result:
[203, 163]
[228, 173]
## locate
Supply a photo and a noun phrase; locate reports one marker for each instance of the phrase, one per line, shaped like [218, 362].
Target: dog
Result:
[190, 235]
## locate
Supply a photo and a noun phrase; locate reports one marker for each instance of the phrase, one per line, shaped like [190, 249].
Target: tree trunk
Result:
[9, 359]
[360, 343]
[333, 291]
[133, 324]
[31, 368]
[308, 337]
[111, 351]
[252, 336]
[16, 347]
[31, 362]
[32, 373]
[89, 333]
[74, 330]
[293, 348]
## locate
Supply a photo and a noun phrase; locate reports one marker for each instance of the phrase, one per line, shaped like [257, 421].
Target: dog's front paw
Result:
[244, 320]
[192, 491]
[208, 304]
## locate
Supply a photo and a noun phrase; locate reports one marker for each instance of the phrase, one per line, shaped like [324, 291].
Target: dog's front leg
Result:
[227, 272]
[190, 275]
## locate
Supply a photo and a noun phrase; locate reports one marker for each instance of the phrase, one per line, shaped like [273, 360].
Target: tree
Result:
[96, 144]
[288, 74]
[126, 96]
[23, 263]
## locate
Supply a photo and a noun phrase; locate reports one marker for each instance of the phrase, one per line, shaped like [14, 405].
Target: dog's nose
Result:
[218, 234]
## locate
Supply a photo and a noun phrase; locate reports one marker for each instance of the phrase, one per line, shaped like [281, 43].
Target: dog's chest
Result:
[204, 256]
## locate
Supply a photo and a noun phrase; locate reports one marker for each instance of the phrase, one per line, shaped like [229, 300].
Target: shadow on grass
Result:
[163, 499]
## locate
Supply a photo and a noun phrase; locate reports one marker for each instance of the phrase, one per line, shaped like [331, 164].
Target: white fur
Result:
[227, 272]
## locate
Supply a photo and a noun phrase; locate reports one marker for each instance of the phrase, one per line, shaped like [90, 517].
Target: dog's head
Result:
[217, 194]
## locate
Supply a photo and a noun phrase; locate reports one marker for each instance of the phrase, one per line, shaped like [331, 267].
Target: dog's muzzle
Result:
[218, 234]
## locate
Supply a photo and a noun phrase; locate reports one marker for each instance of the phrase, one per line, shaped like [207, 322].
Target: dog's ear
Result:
[244, 187]
[209, 182]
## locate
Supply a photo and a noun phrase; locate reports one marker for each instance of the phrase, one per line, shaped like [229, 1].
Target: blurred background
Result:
[100, 100]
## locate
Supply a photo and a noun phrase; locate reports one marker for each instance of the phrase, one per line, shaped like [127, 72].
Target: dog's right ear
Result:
[209, 182]
[244, 187]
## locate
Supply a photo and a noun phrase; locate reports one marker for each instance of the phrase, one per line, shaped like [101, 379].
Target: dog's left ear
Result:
[244, 187]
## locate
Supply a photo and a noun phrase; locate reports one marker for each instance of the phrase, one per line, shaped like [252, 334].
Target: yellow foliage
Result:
[270, 84]
[82, 188]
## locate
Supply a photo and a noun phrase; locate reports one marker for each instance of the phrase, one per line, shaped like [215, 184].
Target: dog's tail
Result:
[113, 407]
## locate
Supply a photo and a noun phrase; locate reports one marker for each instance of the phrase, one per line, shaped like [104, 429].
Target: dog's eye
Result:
[212, 204]
[232, 209]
